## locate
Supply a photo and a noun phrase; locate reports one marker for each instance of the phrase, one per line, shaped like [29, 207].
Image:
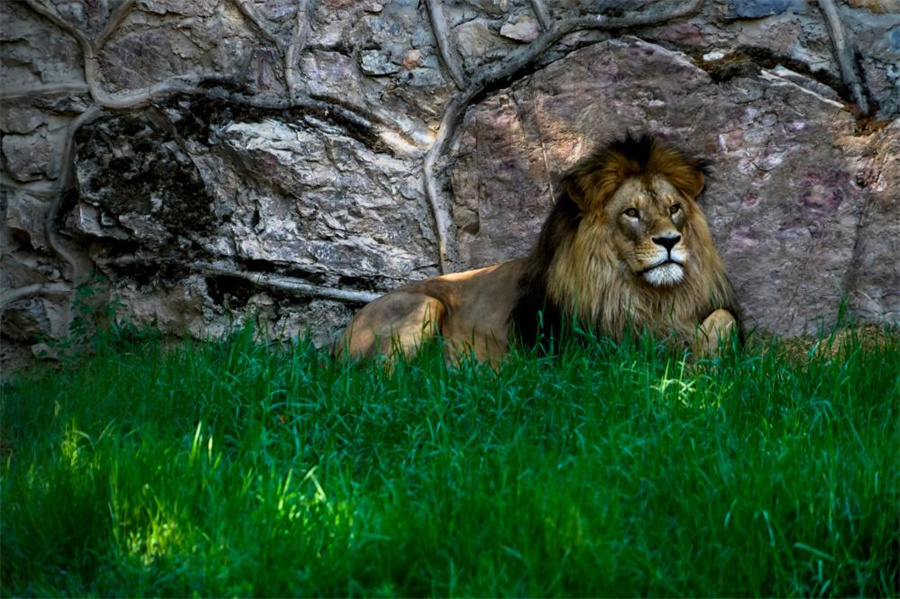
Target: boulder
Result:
[799, 202]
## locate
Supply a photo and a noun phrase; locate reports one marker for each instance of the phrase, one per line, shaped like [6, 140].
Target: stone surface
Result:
[874, 276]
[793, 193]
[754, 9]
[173, 38]
[25, 217]
[34, 54]
[21, 119]
[883, 7]
[523, 29]
[377, 63]
[32, 157]
[139, 180]
[683, 33]
[491, 7]
[480, 42]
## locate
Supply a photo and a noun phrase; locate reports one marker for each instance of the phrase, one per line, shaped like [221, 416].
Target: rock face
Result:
[205, 163]
[793, 193]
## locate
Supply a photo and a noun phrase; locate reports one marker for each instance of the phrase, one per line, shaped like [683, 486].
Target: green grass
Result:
[234, 468]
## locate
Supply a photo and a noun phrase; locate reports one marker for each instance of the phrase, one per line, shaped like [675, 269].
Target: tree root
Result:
[844, 53]
[79, 266]
[442, 36]
[44, 90]
[289, 284]
[112, 25]
[540, 11]
[12, 296]
[248, 12]
[291, 55]
[261, 279]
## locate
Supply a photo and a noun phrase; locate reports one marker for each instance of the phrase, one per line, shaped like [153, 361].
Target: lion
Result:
[625, 249]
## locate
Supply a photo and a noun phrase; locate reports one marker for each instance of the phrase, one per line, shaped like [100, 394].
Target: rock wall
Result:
[208, 161]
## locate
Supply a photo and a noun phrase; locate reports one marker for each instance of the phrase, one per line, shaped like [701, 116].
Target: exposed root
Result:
[79, 266]
[44, 90]
[540, 11]
[54, 17]
[289, 284]
[273, 281]
[12, 296]
[248, 12]
[112, 25]
[844, 54]
[442, 36]
[291, 55]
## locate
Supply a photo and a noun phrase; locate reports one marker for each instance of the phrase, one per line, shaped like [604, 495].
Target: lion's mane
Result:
[574, 276]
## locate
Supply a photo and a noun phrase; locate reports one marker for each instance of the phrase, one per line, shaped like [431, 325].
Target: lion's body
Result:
[625, 248]
[470, 310]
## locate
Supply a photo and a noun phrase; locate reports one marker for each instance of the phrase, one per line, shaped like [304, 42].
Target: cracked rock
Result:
[524, 29]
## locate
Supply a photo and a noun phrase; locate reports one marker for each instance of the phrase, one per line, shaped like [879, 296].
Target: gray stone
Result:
[86, 220]
[26, 215]
[478, 42]
[21, 119]
[491, 7]
[35, 53]
[277, 10]
[30, 320]
[32, 157]
[188, 8]
[754, 9]
[683, 33]
[378, 64]
[524, 29]
[333, 74]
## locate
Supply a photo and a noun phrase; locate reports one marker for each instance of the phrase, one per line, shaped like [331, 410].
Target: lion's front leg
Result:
[716, 329]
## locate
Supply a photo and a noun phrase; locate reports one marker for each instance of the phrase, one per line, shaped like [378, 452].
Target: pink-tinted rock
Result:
[682, 33]
[523, 29]
[788, 200]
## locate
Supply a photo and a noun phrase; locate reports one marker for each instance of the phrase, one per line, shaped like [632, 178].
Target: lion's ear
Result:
[685, 174]
[690, 183]
[590, 189]
[572, 188]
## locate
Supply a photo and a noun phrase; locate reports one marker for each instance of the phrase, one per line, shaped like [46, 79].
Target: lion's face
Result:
[628, 245]
[648, 218]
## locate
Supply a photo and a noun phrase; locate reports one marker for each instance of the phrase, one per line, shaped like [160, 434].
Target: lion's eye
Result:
[631, 212]
[674, 208]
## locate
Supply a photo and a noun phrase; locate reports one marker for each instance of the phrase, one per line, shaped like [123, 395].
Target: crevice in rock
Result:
[749, 61]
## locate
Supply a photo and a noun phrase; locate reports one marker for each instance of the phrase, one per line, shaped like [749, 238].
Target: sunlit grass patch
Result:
[241, 468]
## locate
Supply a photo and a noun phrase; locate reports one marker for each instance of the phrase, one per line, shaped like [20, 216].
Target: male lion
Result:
[625, 248]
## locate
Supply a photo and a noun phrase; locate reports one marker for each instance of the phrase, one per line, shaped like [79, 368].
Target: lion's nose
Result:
[667, 241]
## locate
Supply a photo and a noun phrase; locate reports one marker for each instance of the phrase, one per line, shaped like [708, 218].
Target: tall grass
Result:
[236, 468]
